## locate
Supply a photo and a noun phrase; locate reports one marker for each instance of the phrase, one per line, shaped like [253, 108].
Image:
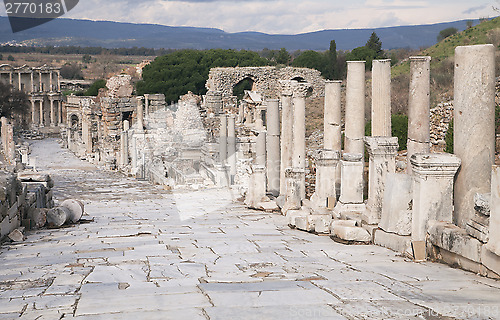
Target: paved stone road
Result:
[151, 254]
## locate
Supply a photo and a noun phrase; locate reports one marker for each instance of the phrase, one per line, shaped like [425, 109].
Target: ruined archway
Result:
[248, 83]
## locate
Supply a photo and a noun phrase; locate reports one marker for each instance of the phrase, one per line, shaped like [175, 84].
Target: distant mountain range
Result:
[64, 32]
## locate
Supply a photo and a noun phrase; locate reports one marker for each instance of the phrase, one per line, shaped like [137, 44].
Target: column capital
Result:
[352, 157]
[420, 58]
[294, 173]
[382, 145]
[435, 164]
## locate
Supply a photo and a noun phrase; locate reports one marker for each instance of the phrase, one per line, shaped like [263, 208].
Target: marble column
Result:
[33, 112]
[260, 149]
[241, 112]
[300, 91]
[51, 89]
[231, 146]
[381, 98]
[223, 139]
[40, 82]
[273, 147]
[286, 131]
[60, 113]
[19, 81]
[293, 196]
[325, 194]
[41, 113]
[474, 125]
[419, 139]
[52, 113]
[433, 175]
[146, 104]
[355, 108]
[86, 133]
[133, 154]
[140, 114]
[382, 152]
[333, 116]
[32, 82]
[124, 148]
[257, 187]
[126, 125]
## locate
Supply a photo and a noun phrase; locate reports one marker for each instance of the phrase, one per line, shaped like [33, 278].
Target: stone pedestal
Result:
[293, 197]
[140, 113]
[273, 147]
[124, 148]
[221, 175]
[257, 187]
[397, 204]
[326, 170]
[474, 126]
[494, 241]
[355, 108]
[381, 98]
[419, 108]
[231, 146]
[286, 131]
[351, 187]
[382, 152]
[432, 191]
[223, 139]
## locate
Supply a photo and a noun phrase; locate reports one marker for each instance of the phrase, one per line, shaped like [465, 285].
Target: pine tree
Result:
[375, 44]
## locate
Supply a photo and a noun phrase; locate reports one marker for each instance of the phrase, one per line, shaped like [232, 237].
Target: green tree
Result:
[331, 70]
[445, 33]
[399, 128]
[310, 59]
[283, 57]
[86, 58]
[93, 90]
[71, 71]
[11, 58]
[12, 101]
[1, 56]
[469, 23]
[362, 54]
[375, 44]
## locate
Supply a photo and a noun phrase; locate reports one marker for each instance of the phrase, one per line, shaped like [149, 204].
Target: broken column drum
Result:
[333, 116]
[140, 114]
[474, 125]
[381, 98]
[231, 146]
[273, 147]
[419, 107]
[325, 194]
[355, 108]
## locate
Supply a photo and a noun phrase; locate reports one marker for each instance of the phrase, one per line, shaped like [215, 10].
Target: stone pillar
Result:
[381, 98]
[20, 81]
[293, 197]
[419, 139]
[11, 146]
[273, 147]
[474, 125]
[52, 113]
[260, 149]
[382, 152]
[241, 112]
[494, 241]
[134, 154]
[146, 103]
[223, 139]
[50, 80]
[248, 113]
[41, 81]
[140, 114]
[32, 82]
[41, 113]
[33, 112]
[355, 108]
[124, 148]
[433, 175]
[286, 131]
[300, 91]
[60, 113]
[214, 101]
[231, 146]
[86, 134]
[126, 125]
[333, 117]
[351, 187]
[325, 194]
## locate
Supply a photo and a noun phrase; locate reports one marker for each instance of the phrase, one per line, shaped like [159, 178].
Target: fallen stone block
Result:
[395, 242]
[302, 223]
[456, 240]
[482, 203]
[343, 223]
[38, 217]
[355, 234]
[16, 235]
[321, 222]
[268, 206]
[293, 214]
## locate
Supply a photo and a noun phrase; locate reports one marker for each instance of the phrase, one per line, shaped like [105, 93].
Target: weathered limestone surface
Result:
[381, 98]
[397, 204]
[300, 91]
[432, 191]
[286, 131]
[257, 187]
[140, 113]
[351, 188]
[326, 171]
[355, 108]
[494, 235]
[474, 125]
[419, 107]
[382, 152]
[273, 147]
[223, 139]
[231, 145]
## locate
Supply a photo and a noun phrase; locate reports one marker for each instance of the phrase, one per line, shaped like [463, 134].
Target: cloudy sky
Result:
[284, 16]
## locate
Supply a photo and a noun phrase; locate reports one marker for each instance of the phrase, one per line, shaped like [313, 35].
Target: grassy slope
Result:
[446, 48]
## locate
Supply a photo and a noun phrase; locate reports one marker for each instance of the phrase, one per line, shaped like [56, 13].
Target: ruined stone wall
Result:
[266, 79]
